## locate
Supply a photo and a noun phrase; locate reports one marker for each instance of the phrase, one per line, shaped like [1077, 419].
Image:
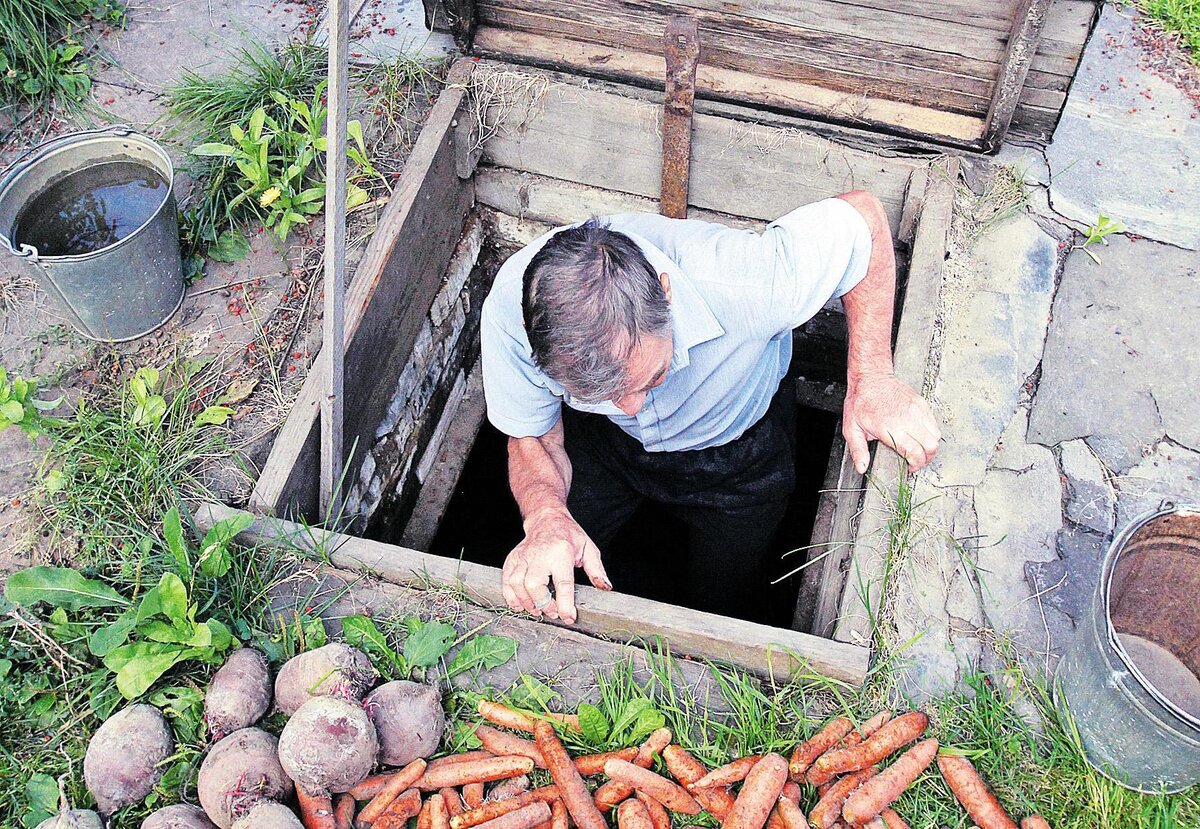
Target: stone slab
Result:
[1127, 145]
[1090, 495]
[386, 29]
[1069, 582]
[1170, 473]
[1121, 362]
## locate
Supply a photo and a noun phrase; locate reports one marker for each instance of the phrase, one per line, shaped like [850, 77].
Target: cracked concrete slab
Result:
[1068, 583]
[993, 343]
[1121, 362]
[1128, 145]
[1170, 473]
[1091, 499]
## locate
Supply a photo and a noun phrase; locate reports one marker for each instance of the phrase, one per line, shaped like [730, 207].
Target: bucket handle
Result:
[24, 160]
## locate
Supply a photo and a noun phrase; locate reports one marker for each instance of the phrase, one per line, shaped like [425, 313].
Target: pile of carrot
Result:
[841, 761]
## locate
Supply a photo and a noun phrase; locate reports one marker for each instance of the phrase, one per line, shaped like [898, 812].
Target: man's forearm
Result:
[539, 472]
[870, 304]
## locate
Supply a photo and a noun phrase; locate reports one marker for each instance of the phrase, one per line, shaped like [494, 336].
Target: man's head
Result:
[598, 317]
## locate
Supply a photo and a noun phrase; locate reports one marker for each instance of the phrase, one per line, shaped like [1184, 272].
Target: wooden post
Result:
[332, 455]
[462, 21]
[681, 48]
[1010, 80]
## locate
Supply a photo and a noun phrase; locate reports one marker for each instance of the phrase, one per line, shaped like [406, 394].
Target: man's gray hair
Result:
[589, 297]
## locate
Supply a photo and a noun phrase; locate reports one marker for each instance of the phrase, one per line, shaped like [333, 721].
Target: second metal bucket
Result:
[1131, 679]
[124, 290]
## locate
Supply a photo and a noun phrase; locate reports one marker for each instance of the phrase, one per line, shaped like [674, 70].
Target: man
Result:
[667, 340]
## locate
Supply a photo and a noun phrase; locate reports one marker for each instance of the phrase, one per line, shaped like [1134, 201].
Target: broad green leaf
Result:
[176, 546]
[47, 405]
[60, 587]
[219, 635]
[168, 598]
[355, 131]
[5, 667]
[151, 412]
[630, 713]
[106, 639]
[429, 643]
[485, 651]
[156, 630]
[214, 416]
[593, 725]
[361, 632]
[41, 793]
[355, 196]
[531, 693]
[12, 411]
[647, 722]
[231, 246]
[55, 481]
[139, 665]
[214, 149]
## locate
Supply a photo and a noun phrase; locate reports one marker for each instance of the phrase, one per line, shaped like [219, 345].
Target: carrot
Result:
[526, 817]
[590, 764]
[659, 818]
[875, 823]
[759, 794]
[511, 787]
[451, 759]
[425, 816]
[874, 724]
[315, 812]
[815, 746]
[669, 794]
[774, 820]
[473, 795]
[614, 791]
[687, 770]
[454, 804]
[877, 794]
[1035, 822]
[475, 771]
[500, 742]
[790, 814]
[632, 814]
[891, 736]
[493, 809]
[519, 721]
[397, 783]
[791, 791]
[973, 793]
[729, 773]
[343, 811]
[894, 821]
[571, 788]
[829, 807]
[401, 808]
[439, 815]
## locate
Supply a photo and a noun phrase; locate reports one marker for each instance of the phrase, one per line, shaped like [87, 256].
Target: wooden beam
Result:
[333, 353]
[763, 650]
[386, 303]
[1023, 41]
[860, 600]
[462, 21]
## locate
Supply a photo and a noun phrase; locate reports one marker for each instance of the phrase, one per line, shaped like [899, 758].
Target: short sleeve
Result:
[820, 251]
[518, 402]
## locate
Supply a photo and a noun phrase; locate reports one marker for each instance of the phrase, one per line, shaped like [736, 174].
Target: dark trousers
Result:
[731, 499]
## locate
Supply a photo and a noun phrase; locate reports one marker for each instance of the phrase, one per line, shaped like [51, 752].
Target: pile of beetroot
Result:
[339, 731]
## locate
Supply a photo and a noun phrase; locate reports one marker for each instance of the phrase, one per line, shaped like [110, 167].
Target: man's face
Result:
[647, 369]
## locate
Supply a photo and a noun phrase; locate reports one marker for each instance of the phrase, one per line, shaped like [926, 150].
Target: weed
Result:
[1099, 232]
[1180, 16]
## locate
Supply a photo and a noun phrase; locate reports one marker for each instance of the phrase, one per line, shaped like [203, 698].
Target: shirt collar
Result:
[692, 321]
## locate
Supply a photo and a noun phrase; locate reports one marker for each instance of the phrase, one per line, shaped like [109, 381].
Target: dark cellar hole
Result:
[482, 523]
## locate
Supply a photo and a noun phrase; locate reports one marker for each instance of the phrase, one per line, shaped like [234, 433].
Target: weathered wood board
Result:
[760, 649]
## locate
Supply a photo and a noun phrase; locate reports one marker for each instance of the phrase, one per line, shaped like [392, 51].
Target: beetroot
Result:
[239, 694]
[328, 746]
[334, 670]
[124, 758]
[179, 816]
[408, 719]
[73, 819]
[267, 814]
[239, 771]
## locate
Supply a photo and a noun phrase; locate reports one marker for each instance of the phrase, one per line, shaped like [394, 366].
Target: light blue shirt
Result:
[736, 296]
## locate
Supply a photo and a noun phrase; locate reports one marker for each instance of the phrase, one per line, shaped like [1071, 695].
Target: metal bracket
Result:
[681, 47]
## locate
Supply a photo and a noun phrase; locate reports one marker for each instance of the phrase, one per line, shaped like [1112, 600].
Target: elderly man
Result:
[667, 340]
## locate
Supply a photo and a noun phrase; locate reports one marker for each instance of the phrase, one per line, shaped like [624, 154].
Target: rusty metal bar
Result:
[681, 47]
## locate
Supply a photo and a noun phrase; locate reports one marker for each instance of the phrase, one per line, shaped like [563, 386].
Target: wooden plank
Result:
[763, 650]
[1010, 80]
[570, 135]
[461, 14]
[567, 660]
[860, 601]
[451, 456]
[556, 202]
[387, 299]
[333, 354]
[729, 85]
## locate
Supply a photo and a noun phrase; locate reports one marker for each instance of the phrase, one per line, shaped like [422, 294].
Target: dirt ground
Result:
[256, 322]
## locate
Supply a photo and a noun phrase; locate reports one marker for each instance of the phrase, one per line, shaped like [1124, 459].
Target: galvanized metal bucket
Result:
[1131, 679]
[119, 292]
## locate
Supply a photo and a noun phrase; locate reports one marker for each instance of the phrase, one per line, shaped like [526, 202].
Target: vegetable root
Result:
[818, 744]
[687, 770]
[343, 811]
[475, 771]
[239, 771]
[1035, 822]
[267, 814]
[500, 742]
[333, 670]
[973, 793]
[507, 717]
[571, 788]
[439, 817]
[729, 773]
[877, 794]
[396, 784]
[790, 814]
[179, 816]
[632, 814]
[526, 817]
[315, 812]
[764, 784]
[829, 808]
[590, 764]
[124, 759]
[895, 734]
[453, 801]
[239, 693]
[491, 810]
[615, 791]
[893, 820]
[473, 795]
[669, 794]
[659, 818]
[408, 720]
[406, 805]
[73, 819]
[328, 746]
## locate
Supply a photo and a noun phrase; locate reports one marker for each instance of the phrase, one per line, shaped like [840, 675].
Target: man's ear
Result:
[666, 284]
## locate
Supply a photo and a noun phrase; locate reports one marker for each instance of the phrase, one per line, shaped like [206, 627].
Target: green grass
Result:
[1179, 16]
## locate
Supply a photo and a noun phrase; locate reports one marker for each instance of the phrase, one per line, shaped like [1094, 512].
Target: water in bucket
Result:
[90, 209]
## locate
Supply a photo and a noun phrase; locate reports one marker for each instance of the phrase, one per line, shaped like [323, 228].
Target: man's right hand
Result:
[554, 546]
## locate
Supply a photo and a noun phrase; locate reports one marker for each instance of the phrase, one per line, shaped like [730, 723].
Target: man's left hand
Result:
[881, 407]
